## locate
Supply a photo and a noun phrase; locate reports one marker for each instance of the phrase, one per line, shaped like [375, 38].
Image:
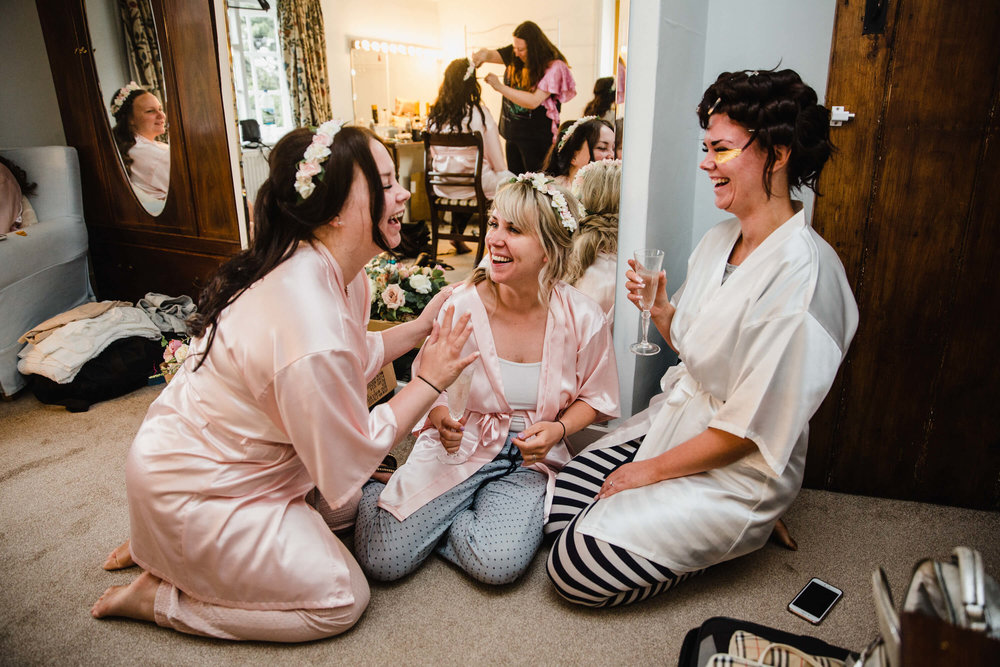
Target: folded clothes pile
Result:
[59, 352]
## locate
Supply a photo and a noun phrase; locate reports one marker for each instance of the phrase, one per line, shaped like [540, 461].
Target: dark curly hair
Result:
[457, 98]
[282, 218]
[21, 176]
[604, 97]
[778, 109]
[559, 159]
[541, 52]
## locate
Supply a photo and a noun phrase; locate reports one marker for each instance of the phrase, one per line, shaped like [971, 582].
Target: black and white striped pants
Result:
[586, 570]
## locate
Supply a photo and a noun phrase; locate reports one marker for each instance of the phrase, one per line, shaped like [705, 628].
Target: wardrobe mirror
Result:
[130, 73]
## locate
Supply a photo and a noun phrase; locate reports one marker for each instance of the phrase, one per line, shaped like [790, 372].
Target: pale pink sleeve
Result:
[320, 402]
[376, 354]
[597, 373]
[559, 84]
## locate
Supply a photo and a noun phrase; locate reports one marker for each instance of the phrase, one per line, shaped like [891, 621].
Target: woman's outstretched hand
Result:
[634, 285]
[433, 307]
[493, 81]
[441, 361]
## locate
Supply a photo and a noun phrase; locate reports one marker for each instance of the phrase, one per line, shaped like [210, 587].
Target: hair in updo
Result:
[779, 110]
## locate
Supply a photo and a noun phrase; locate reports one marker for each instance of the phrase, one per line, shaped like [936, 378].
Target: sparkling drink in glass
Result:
[648, 262]
[458, 397]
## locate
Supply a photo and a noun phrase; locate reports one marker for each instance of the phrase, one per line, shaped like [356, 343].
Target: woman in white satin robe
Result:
[761, 325]
[272, 403]
[476, 490]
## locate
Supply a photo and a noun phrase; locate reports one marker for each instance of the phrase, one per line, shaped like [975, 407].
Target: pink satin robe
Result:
[218, 473]
[578, 362]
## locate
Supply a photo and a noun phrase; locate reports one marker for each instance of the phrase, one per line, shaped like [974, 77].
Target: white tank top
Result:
[520, 387]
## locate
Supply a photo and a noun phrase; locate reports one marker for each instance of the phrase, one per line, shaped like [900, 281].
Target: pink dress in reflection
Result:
[218, 473]
[578, 362]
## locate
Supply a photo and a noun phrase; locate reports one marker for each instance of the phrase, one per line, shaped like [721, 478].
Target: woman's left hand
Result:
[493, 81]
[536, 441]
[629, 476]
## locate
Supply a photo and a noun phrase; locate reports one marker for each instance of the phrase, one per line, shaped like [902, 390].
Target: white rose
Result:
[420, 283]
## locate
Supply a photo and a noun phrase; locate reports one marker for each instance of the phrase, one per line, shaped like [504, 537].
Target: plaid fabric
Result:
[749, 646]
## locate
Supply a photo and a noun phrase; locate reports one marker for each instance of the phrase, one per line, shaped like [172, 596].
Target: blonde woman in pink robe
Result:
[272, 403]
[476, 489]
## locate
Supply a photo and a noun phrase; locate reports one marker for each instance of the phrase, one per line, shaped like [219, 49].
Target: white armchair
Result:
[44, 272]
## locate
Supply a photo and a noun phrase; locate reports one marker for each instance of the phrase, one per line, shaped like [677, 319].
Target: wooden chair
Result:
[438, 205]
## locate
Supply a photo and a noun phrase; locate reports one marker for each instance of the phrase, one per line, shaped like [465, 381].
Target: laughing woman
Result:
[476, 489]
[762, 324]
[271, 403]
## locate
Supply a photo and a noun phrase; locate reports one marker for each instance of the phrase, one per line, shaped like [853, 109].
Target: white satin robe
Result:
[150, 170]
[218, 473]
[759, 353]
[578, 362]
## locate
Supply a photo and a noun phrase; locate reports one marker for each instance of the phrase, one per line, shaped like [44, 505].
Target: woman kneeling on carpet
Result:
[761, 324]
[272, 402]
[476, 488]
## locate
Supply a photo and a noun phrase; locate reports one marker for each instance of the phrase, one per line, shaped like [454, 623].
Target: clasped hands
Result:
[534, 441]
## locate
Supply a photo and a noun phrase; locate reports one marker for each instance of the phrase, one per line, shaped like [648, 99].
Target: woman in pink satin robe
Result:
[272, 403]
[476, 488]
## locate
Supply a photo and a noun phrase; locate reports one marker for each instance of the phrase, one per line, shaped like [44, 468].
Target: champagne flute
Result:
[648, 262]
[458, 397]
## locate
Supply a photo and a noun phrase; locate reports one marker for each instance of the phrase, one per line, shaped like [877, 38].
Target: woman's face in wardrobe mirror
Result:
[148, 119]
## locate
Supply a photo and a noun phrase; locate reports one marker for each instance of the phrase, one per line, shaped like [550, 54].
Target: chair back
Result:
[438, 205]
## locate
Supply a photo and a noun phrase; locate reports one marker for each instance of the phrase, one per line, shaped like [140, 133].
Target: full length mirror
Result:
[130, 73]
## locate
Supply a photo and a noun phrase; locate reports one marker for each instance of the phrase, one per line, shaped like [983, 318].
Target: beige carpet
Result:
[63, 506]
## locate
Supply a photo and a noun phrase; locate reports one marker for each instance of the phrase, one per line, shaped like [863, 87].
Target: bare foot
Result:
[132, 601]
[381, 477]
[120, 558]
[781, 535]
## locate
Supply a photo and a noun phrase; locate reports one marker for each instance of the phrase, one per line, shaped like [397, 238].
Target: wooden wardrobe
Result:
[132, 251]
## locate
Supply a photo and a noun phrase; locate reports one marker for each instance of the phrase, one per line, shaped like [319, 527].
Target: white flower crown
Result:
[123, 93]
[471, 72]
[578, 179]
[572, 129]
[317, 151]
[543, 184]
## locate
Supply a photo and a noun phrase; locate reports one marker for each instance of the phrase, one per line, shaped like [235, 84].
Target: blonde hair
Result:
[598, 186]
[532, 211]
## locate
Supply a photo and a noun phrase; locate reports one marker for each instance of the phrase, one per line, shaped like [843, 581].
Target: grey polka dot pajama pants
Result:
[489, 525]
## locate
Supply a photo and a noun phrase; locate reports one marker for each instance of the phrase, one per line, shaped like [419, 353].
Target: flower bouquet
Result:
[400, 293]
[175, 352]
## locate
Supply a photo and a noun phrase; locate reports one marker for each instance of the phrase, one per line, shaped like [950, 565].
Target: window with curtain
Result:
[258, 71]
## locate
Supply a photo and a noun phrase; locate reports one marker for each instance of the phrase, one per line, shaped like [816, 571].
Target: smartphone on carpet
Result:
[815, 600]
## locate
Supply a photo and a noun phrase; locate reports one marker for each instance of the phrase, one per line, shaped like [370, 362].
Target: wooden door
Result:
[911, 203]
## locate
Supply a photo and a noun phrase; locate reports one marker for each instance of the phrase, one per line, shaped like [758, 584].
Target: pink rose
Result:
[393, 296]
[309, 169]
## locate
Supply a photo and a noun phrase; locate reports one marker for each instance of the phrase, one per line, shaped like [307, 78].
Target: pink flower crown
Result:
[123, 93]
[543, 184]
[318, 151]
[572, 129]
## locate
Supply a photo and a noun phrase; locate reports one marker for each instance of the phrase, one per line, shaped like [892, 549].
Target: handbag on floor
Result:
[725, 642]
[958, 592]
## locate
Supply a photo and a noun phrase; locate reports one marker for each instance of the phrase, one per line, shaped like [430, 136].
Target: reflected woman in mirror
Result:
[271, 403]
[580, 143]
[593, 263]
[139, 124]
[459, 108]
[536, 82]
[761, 324]
[476, 487]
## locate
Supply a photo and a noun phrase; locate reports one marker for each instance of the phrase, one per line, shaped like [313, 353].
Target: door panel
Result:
[908, 201]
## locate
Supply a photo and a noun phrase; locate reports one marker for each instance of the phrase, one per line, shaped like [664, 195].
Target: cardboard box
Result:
[381, 385]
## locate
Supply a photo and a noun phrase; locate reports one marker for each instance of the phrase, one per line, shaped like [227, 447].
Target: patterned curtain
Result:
[304, 48]
[143, 49]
